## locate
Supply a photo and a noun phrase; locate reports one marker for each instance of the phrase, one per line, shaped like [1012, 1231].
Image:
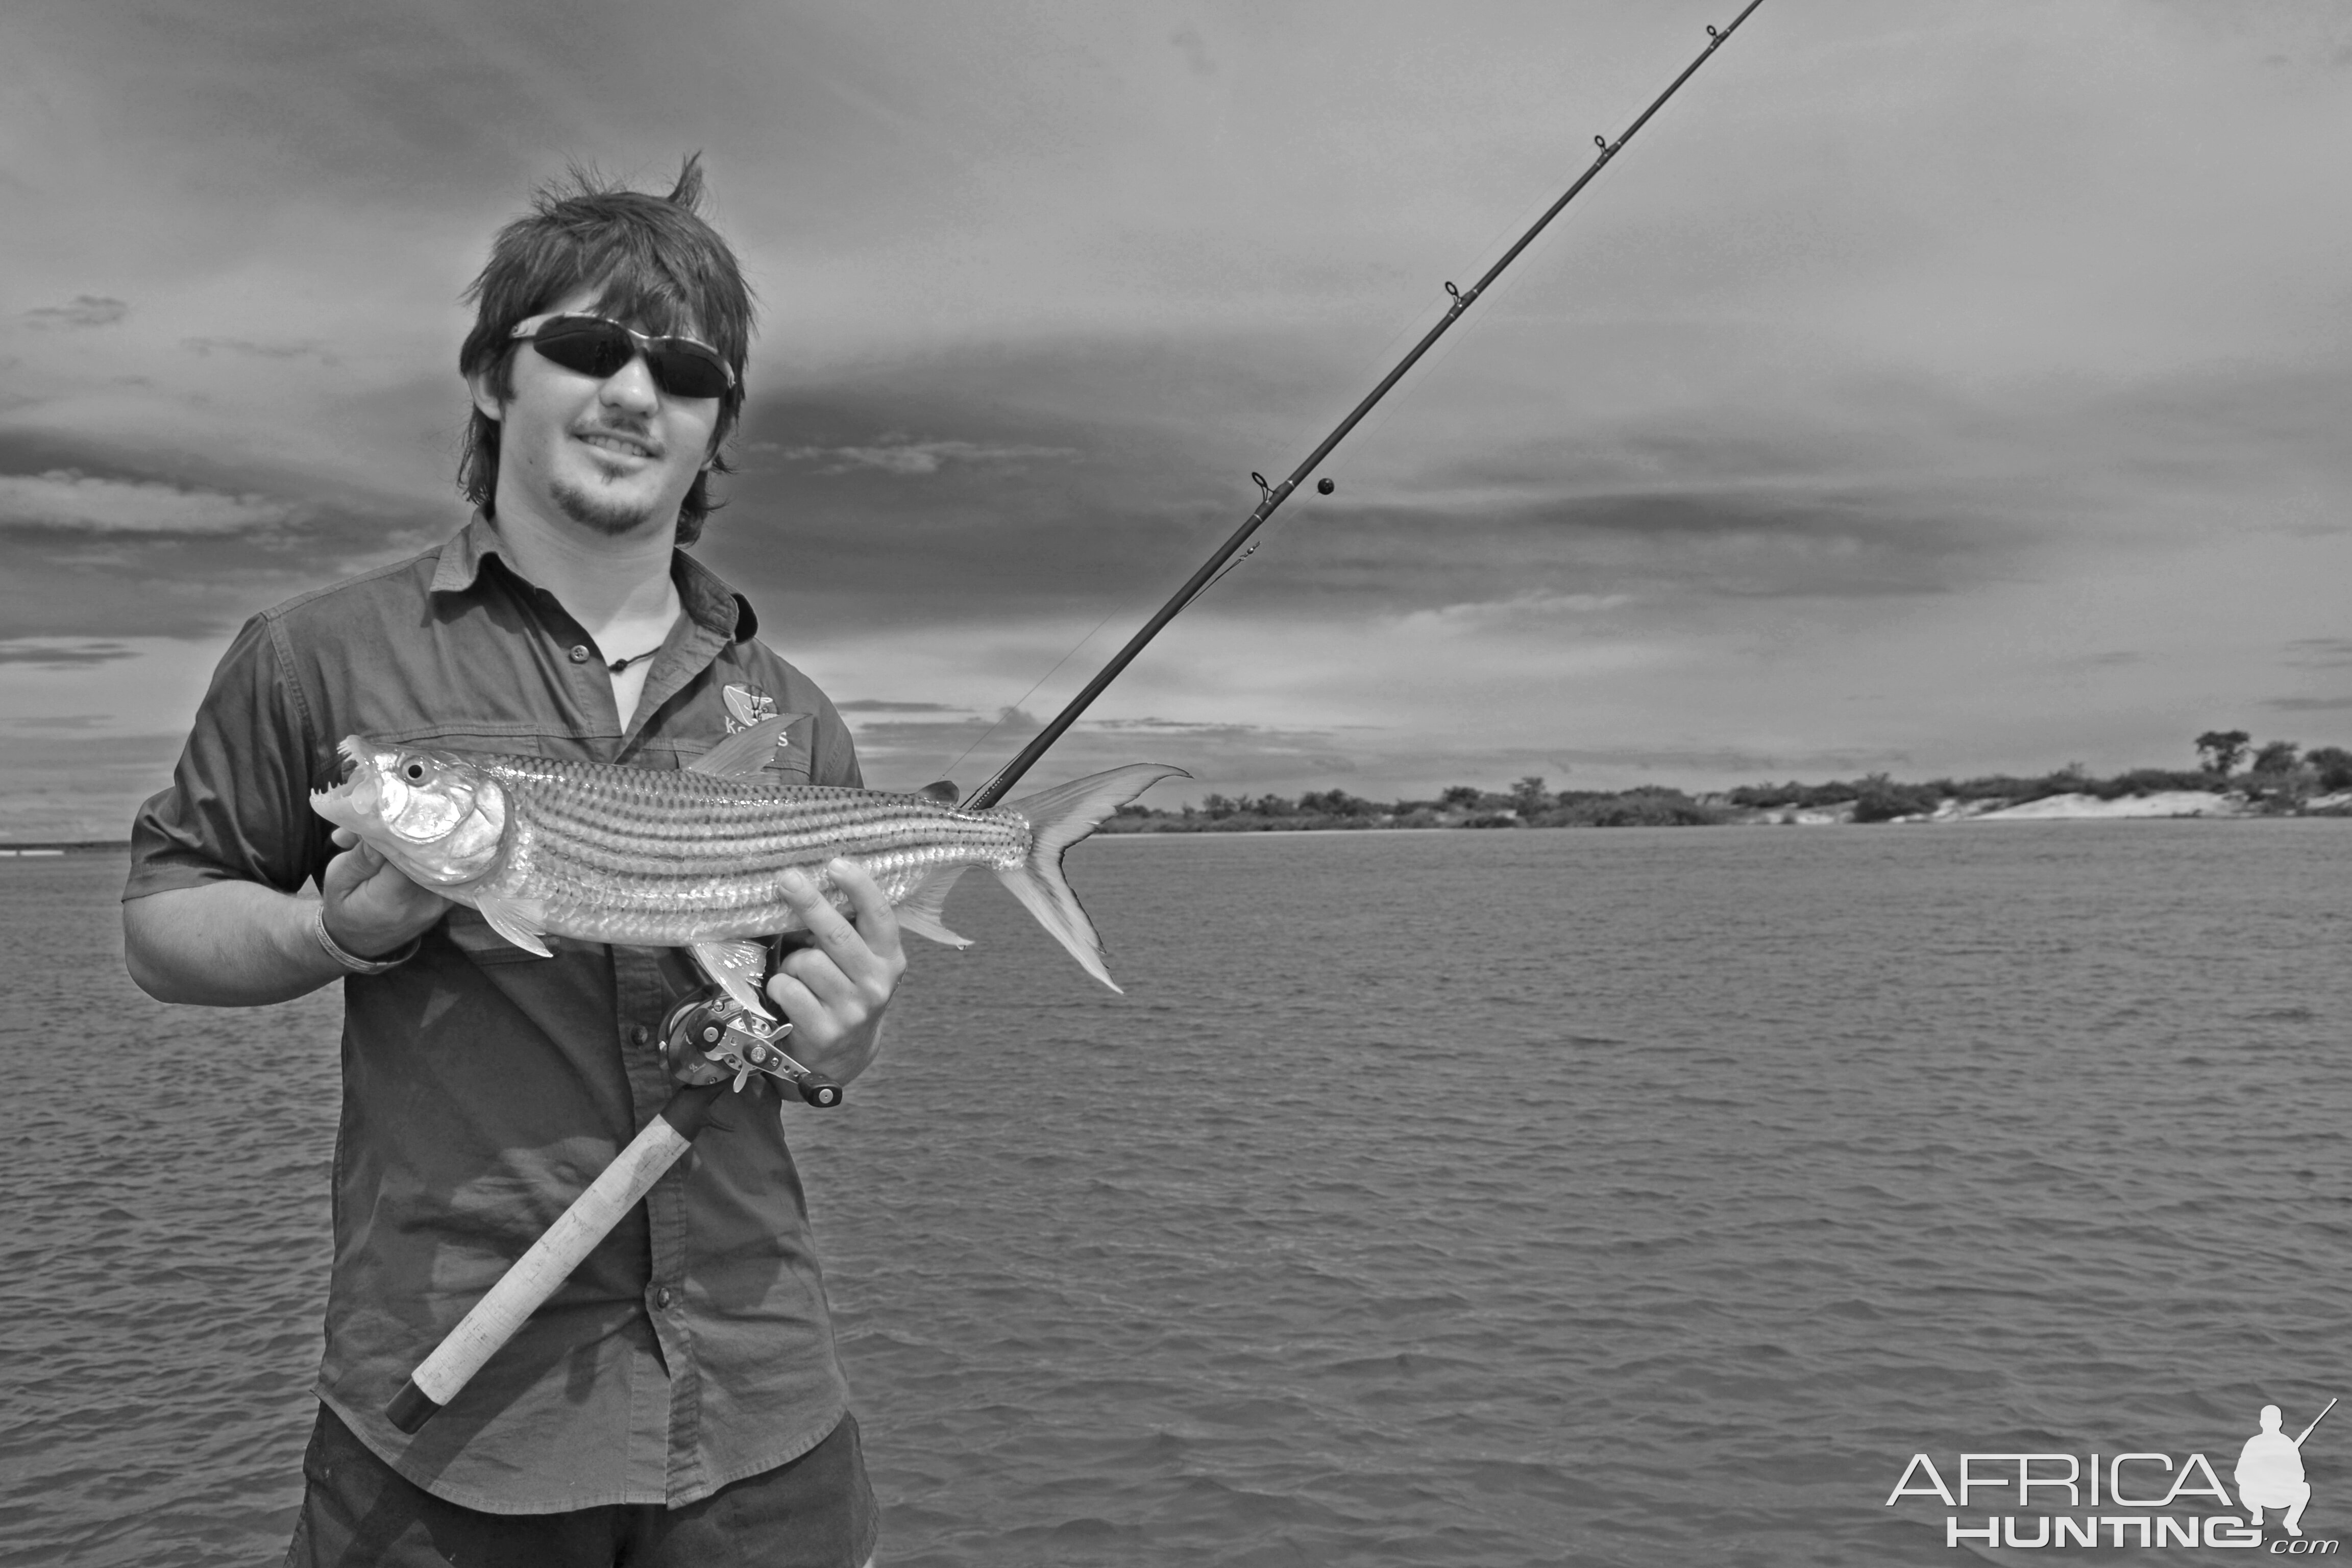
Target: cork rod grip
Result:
[537, 1273]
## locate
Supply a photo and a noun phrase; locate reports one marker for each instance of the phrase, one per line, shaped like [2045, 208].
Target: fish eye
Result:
[413, 772]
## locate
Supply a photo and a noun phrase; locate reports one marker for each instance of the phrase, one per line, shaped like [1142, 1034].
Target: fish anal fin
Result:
[922, 911]
[735, 967]
[522, 922]
[745, 753]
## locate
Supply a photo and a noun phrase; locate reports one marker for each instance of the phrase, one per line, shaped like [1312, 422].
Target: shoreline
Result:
[2160, 806]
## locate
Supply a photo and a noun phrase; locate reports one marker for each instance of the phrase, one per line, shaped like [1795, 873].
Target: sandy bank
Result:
[2091, 808]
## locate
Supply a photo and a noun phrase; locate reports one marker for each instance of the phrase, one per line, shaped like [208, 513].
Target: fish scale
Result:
[654, 856]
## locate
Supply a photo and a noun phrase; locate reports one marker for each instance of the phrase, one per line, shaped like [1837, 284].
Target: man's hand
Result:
[372, 910]
[835, 993]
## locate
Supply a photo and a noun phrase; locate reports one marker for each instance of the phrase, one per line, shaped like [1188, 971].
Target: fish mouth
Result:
[354, 797]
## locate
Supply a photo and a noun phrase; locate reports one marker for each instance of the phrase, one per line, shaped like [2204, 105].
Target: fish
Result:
[693, 858]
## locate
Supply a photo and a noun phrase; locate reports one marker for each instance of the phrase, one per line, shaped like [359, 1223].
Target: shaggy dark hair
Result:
[653, 262]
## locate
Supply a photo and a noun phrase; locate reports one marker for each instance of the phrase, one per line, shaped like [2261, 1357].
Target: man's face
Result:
[613, 455]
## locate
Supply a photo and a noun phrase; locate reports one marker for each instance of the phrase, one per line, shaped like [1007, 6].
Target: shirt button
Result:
[661, 1297]
[579, 652]
[639, 1035]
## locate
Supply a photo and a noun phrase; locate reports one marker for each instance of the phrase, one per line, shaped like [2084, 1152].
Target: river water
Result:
[1628, 1197]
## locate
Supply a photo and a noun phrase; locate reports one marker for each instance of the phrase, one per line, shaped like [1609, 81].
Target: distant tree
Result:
[2220, 750]
[2334, 765]
[1528, 795]
[1274, 806]
[1460, 797]
[1335, 803]
[1217, 807]
[1879, 798]
[2277, 757]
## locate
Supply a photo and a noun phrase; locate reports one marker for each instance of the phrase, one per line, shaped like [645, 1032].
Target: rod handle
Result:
[542, 1270]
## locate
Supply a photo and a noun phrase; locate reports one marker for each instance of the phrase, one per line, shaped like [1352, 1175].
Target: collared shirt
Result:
[483, 1087]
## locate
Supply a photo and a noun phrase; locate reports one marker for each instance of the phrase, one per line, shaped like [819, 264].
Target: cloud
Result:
[306, 348]
[60, 653]
[897, 455]
[67, 498]
[2319, 653]
[1517, 607]
[875, 705]
[2309, 704]
[60, 722]
[81, 310]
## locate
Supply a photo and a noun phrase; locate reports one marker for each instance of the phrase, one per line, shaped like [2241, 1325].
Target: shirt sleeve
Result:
[238, 807]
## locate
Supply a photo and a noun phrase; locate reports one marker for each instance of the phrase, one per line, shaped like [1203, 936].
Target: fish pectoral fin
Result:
[521, 922]
[944, 792]
[741, 754]
[920, 911]
[735, 967]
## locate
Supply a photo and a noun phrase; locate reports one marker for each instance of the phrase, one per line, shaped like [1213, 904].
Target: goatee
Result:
[605, 513]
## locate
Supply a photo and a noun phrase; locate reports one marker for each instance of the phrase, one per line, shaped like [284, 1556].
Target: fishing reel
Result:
[710, 1035]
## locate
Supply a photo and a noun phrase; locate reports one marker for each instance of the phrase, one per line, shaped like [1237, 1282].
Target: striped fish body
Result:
[652, 858]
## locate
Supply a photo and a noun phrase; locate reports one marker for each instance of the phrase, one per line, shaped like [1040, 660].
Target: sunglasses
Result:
[592, 345]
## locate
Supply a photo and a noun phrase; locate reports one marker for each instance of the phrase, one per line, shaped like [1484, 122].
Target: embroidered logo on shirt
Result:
[747, 706]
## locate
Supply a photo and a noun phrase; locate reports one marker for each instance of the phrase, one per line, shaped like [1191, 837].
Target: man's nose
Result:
[631, 387]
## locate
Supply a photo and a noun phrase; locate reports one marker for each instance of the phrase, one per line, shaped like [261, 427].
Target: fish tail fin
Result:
[1058, 818]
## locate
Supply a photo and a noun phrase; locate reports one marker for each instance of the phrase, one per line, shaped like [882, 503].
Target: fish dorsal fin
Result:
[735, 967]
[521, 922]
[944, 792]
[920, 911]
[743, 754]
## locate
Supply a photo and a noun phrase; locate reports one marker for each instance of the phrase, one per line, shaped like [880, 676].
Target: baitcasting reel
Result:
[710, 1035]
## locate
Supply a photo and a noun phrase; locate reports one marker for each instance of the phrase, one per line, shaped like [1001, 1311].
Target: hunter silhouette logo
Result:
[2270, 1471]
[2141, 1499]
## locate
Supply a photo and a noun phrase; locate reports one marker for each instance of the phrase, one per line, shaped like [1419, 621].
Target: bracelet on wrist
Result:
[353, 962]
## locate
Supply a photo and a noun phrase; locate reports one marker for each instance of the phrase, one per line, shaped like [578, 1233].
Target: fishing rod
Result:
[1271, 497]
[2316, 1421]
[707, 1038]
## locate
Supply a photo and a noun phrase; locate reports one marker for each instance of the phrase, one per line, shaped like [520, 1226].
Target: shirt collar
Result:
[707, 598]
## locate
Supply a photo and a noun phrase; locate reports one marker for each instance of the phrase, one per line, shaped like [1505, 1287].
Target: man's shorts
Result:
[816, 1512]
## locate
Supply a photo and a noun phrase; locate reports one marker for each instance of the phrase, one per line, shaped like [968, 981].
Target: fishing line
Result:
[1408, 320]
[1412, 385]
[1003, 714]
[1274, 495]
[1406, 391]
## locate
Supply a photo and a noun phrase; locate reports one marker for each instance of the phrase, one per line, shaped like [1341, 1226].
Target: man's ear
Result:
[479, 384]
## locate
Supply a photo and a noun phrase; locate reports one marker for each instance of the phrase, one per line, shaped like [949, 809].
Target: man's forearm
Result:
[225, 944]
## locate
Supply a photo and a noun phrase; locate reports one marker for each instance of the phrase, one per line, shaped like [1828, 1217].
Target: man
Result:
[2270, 1473]
[679, 1400]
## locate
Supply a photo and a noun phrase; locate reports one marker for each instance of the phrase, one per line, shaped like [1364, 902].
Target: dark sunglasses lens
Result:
[592, 348]
[600, 348]
[687, 373]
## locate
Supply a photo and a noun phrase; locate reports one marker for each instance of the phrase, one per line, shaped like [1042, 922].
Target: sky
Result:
[1930, 389]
